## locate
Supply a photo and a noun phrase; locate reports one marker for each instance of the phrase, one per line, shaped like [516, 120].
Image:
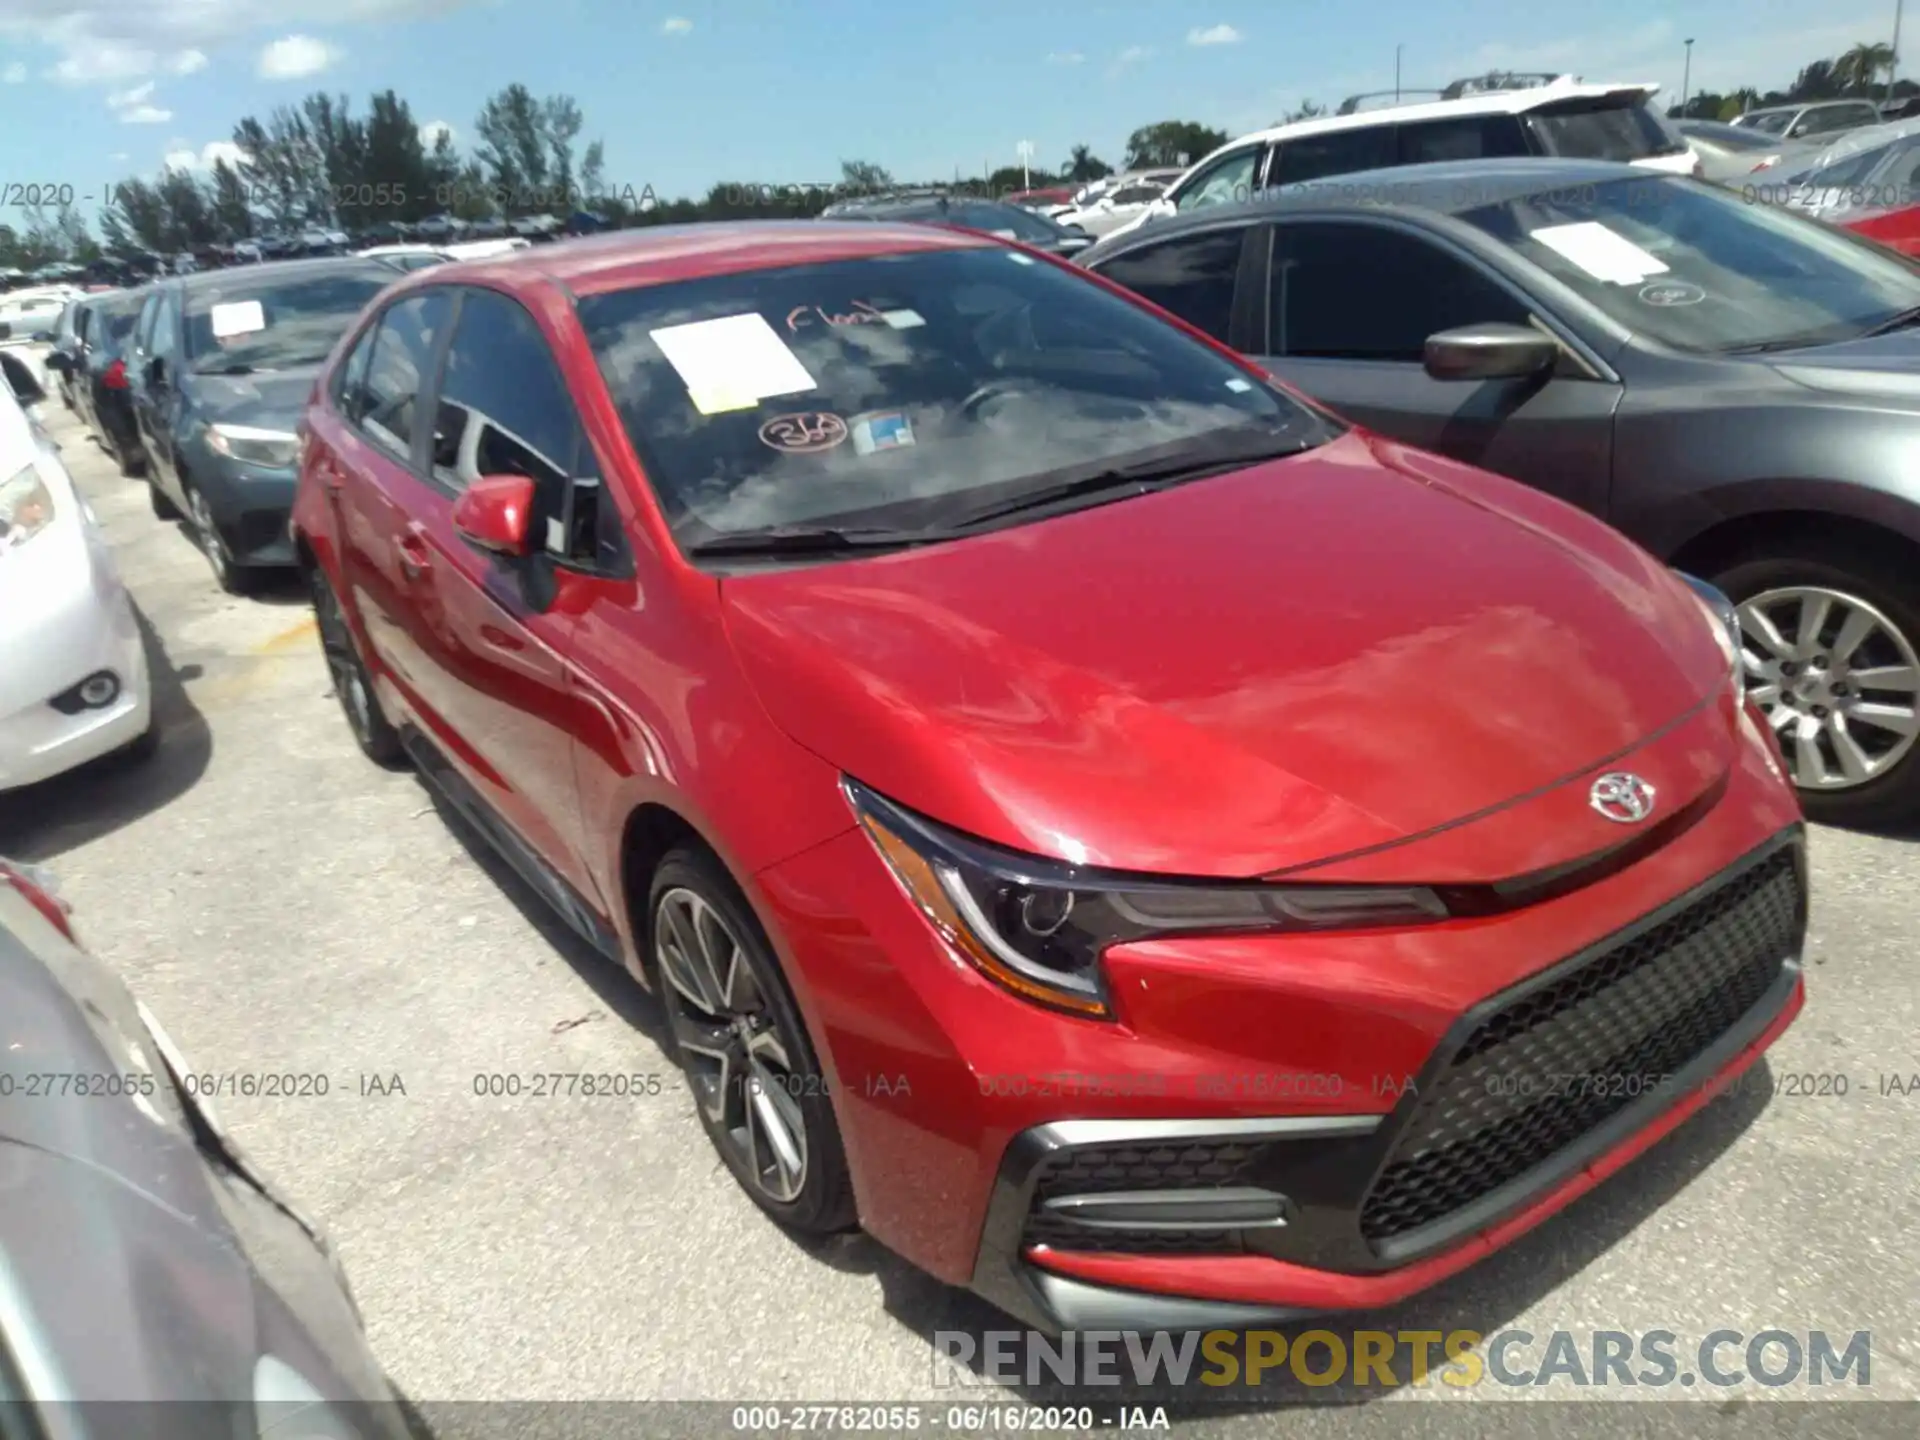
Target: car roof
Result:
[199, 280]
[1446, 187]
[660, 254]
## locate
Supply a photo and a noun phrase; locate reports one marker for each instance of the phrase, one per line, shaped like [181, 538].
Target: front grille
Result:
[1560, 1059]
[1177, 1165]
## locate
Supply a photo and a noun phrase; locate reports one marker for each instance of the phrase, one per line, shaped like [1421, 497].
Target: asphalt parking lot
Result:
[286, 907]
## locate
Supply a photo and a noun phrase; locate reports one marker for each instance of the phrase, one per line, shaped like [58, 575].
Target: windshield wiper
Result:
[1193, 463]
[812, 540]
[1903, 320]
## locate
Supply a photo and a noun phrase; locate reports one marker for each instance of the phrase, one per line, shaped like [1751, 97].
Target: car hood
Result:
[1880, 366]
[272, 399]
[1244, 674]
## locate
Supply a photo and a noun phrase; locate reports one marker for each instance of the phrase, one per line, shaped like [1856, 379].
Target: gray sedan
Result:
[1735, 387]
[143, 1258]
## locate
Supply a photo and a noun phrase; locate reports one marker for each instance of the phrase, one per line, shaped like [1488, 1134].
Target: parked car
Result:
[74, 686]
[1863, 177]
[1730, 154]
[1562, 117]
[1000, 220]
[1121, 204]
[406, 257]
[99, 368]
[1810, 121]
[1734, 387]
[1048, 200]
[149, 1266]
[222, 363]
[772, 596]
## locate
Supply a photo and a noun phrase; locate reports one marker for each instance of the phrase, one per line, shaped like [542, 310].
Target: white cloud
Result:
[119, 155]
[678, 25]
[115, 41]
[131, 107]
[295, 57]
[138, 95]
[14, 74]
[145, 115]
[1128, 58]
[1065, 57]
[1215, 35]
[431, 132]
[182, 156]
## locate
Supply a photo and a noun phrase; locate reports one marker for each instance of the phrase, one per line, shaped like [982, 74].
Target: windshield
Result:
[1622, 129]
[114, 323]
[261, 322]
[1008, 220]
[1697, 268]
[1773, 123]
[1728, 137]
[907, 391]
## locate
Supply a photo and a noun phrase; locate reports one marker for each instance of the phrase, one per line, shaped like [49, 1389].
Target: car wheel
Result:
[232, 578]
[738, 1036]
[163, 508]
[372, 731]
[1832, 661]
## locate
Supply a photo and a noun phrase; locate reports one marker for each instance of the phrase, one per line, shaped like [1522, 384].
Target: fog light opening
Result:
[97, 691]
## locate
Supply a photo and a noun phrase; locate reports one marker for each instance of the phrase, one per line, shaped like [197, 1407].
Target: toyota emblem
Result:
[1622, 798]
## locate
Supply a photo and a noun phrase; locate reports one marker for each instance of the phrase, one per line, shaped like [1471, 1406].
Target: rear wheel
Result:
[163, 508]
[737, 1033]
[1832, 643]
[372, 731]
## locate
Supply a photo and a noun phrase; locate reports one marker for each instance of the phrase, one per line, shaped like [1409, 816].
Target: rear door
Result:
[1349, 305]
[158, 408]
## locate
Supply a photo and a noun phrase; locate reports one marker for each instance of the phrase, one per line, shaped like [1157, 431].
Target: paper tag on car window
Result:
[237, 317]
[1602, 253]
[732, 363]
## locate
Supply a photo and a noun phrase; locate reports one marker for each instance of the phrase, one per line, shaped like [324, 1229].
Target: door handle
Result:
[415, 560]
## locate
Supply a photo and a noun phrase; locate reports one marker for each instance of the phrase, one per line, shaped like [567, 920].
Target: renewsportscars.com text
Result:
[1462, 1359]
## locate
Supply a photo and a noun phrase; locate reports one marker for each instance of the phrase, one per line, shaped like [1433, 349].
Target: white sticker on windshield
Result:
[903, 319]
[1239, 387]
[1018, 258]
[1602, 253]
[732, 363]
[237, 317]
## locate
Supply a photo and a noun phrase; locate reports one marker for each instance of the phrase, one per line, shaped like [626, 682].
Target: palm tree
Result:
[1860, 67]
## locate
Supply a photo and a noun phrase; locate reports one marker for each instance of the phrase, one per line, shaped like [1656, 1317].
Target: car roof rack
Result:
[1353, 103]
[1496, 82]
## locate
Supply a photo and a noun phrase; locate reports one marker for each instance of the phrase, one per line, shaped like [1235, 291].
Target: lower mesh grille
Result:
[1182, 1165]
[1538, 1074]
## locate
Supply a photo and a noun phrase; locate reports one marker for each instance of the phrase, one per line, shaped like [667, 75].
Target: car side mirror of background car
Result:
[1490, 352]
[495, 512]
[58, 363]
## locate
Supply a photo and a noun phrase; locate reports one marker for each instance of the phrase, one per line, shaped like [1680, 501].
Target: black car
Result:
[1734, 387]
[147, 1267]
[222, 364]
[996, 217]
[102, 390]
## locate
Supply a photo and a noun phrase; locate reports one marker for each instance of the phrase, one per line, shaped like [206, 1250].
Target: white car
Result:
[418, 257]
[1119, 204]
[1472, 120]
[75, 684]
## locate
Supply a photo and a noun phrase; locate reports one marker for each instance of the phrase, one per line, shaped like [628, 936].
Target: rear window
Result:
[1772, 124]
[903, 390]
[267, 322]
[1624, 130]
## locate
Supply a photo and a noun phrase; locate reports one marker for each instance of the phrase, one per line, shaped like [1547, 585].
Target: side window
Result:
[402, 350]
[161, 344]
[350, 380]
[1471, 137]
[1231, 180]
[1342, 152]
[1365, 292]
[1192, 276]
[143, 328]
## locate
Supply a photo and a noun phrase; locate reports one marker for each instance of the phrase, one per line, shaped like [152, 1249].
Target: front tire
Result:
[233, 578]
[1832, 643]
[378, 740]
[737, 1034]
[163, 508]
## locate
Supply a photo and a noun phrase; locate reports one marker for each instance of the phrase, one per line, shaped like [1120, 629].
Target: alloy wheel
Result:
[741, 1067]
[211, 544]
[343, 664]
[1837, 680]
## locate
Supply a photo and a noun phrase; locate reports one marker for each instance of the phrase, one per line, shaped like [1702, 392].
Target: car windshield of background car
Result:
[238, 326]
[1608, 128]
[1698, 268]
[904, 390]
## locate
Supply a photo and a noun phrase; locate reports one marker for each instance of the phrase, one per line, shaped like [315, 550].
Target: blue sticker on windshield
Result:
[882, 430]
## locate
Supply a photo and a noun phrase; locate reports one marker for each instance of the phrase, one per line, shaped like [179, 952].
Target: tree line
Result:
[320, 163]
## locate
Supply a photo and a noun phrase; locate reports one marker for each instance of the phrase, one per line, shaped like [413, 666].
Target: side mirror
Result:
[59, 363]
[1490, 352]
[495, 512]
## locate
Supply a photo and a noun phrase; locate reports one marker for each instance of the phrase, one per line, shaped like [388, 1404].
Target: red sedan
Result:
[1134, 843]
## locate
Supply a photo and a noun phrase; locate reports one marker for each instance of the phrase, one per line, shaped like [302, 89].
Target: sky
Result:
[685, 93]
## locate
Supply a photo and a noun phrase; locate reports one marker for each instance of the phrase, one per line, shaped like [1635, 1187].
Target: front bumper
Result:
[250, 505]
[1535, 1096]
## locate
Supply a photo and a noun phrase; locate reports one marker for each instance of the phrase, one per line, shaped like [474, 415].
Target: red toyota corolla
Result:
[1137, 845]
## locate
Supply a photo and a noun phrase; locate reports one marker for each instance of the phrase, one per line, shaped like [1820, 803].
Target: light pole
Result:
[1894, 64]
[1026, 159]
[1686, 81]
[1396, 72]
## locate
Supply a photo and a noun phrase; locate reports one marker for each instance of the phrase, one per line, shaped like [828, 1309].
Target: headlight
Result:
[26, 508]
[275, 449]
[1039, 926]
[1725, 619]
